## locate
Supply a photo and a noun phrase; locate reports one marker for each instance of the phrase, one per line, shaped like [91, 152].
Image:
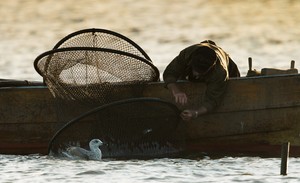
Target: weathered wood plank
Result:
[258, 111]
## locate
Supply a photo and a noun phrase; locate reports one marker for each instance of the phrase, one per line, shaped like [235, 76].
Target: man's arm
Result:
[171, 74]
[180, 97]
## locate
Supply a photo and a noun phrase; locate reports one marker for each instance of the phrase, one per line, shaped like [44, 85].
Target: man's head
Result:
[203, 59]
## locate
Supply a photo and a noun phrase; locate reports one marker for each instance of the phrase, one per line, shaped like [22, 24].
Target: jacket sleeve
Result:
[175, 69]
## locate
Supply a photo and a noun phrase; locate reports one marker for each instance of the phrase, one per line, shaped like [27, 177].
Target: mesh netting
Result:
[132, 128]
[87, 64]
[101, 38]
[88, 74]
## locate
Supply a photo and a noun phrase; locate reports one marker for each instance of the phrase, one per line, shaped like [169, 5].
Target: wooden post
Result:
[285, 149]
[292, 64]
[250, 63]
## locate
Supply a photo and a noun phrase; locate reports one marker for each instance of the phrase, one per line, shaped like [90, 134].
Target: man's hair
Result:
[209, 41]
[203, 58]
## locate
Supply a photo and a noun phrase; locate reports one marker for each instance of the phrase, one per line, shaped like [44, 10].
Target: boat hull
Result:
[256, 117]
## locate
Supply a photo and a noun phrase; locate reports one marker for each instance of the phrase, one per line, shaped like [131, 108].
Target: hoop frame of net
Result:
[60, 140]
[97, 41]
[68, 91]
[116, 41]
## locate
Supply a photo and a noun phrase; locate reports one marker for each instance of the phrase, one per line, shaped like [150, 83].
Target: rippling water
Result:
[35, 168]
[266, 30]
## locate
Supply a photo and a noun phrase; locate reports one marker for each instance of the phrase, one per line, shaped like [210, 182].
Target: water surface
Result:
[35, 168]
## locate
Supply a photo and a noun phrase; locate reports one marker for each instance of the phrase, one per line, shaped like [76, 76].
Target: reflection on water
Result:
[266, 30]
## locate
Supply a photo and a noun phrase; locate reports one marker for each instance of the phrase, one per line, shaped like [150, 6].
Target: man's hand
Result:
[180, 97]
[188, 114]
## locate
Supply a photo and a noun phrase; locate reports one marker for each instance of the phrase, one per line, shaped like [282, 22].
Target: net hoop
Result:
[66, 39]
[171, 107]
[51, 52]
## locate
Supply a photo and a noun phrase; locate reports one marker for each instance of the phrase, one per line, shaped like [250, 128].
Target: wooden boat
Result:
[257, 116]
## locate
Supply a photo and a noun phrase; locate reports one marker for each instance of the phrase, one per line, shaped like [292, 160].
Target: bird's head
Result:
[96, 143]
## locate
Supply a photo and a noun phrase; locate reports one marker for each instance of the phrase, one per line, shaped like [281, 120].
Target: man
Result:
[204, 62]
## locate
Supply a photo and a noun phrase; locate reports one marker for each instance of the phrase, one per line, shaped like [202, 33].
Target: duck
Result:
[94, 153]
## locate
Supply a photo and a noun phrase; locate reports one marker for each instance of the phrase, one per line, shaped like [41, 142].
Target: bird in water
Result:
[79, 153]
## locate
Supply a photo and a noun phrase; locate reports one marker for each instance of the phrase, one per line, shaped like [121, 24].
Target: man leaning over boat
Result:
[203, 62]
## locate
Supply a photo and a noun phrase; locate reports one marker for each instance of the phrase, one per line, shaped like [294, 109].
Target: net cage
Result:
[87, 64]
[129, 128]
[102, 38]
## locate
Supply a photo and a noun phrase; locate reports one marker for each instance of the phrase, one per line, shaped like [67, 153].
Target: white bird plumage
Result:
[79, 153]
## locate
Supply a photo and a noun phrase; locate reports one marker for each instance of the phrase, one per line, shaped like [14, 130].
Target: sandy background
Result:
[266, 30]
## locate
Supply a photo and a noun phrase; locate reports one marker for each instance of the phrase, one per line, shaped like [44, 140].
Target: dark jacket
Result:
[216, 79]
